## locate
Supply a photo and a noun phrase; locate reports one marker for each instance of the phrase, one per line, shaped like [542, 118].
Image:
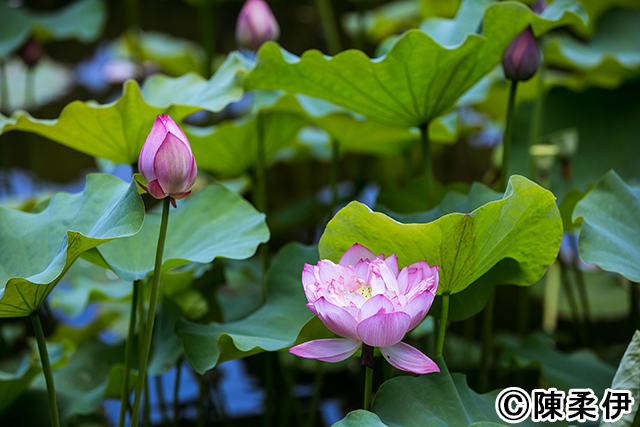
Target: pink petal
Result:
[392, 264]
[193, 174]
[390, 279]
[180, 195]
[418, 307]
[328, 350]
[356, 253]
[175, 129]
[172, 164]
[309, 275]
[407, 358]
[328, 271]
[384, 330]
[336, 319]
[375, 305]
[155, 190]
[150, 148]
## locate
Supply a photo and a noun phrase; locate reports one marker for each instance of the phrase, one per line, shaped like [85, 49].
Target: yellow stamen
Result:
[365, 291]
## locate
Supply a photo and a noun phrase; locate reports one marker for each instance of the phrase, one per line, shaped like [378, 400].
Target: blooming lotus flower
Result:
[366, 300]
[256, 25]
[166, 161]
[521, 58]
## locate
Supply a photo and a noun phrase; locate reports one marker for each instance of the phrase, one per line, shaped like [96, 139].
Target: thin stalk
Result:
[30, 87]
[176, 393]
[4, 88]
[162, 404]
[269, 383]
[333, 178]
[46, 369]
[329, 26]
[148, 332]
[132, 13]
[582, 292]
[487, 332]
[318, 381]
[571, 298]
[146, 405]
[427, 167]
[207, 27]
[128, 355]
[260, 192]
[368, 387]
[443, 324]
[635, 315]
[535, 124]
[508, 131]
[201, 406]
[388, 371]
[523, 311]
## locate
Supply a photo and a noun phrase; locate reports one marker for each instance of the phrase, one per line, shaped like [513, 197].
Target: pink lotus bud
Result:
[31, 52]
[256, 25]
[368, 300]
[521, 58]
[166, 161]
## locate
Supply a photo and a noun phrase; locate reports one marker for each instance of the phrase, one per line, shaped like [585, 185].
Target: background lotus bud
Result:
[368, 300]
[31, 52]
[166, 161]
[539, 6]
[256, 25]
[521, 58]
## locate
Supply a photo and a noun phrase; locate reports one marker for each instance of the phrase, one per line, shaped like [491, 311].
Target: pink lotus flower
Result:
[365, 299]
[166, 161]
[256, 25]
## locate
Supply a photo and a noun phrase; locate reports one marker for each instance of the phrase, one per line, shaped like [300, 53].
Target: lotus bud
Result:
[539, 6]
[256, 25]
[31, 52]
[166, 161]
[521, 58]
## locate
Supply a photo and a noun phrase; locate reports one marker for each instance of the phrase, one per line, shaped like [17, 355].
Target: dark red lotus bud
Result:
[521, 58]
[539, 6]
[31, 52]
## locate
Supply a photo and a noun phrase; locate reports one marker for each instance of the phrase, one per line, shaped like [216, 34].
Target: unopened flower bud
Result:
[256, 25]
[166, 161]
[539, 6]
[521, 58]
[31, 52]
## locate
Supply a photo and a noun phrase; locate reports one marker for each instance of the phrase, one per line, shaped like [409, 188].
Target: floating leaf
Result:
[610, 234]
[281, 322]
[417, 81]
[38, 248]
[628, 378]
[82, 20]
[214, 222]
[117, 131]
[560, 370]
[524, 226]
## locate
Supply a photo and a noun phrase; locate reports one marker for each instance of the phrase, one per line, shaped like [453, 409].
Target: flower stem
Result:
[148, 331]
[508, 131]
[4, 88]
[329, 26]
[427, 167]
[318, 381]
[260, 192]
[46, 369]
[535, 124]
[207, 24]
[368, 386]
[176, 394]
[443, 324]
[333, 179]
[487, 331]
[128, 354]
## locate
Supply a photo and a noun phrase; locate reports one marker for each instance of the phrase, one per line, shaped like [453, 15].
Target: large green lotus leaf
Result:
[381, 22]
[214, 222]
[82, 20]
[524, 226]
[117, 131]
[38, 248]
[610, 234]
[438, 399]
[612, 55]
[360, 418]
[282, 321]
[595, 9]
[581, 369]
[231, 148]
[174, 56]
[416, 81]
[628, 378]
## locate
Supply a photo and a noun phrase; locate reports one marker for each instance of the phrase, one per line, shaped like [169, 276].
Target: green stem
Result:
[30, 87]
[4, 88]
[508, 131]
[46, 369]
[535, 124]
[635, 314]
[260, 192]
[128, 354]
[523, 311]
[443, 324]
[176, 393]
[318, 381]
[333, 178]
[269, 383]
[571, 298]
[162, 404]
[201, 400]
[132, 13]
[148, 332]
[368, 387]
[146, 406]
[427, 167]
[207, 24]
[329, 26]
[487, 331]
